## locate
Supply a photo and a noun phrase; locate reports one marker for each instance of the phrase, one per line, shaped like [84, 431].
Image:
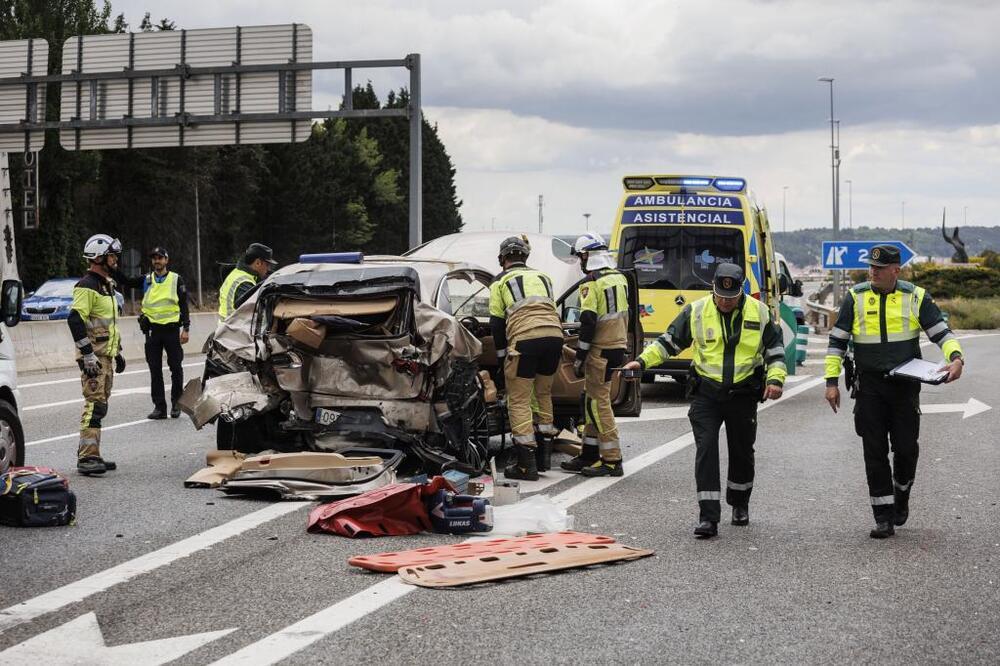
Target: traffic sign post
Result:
[851, 255]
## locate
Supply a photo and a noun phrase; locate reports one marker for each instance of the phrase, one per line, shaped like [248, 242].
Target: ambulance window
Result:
[677, 257]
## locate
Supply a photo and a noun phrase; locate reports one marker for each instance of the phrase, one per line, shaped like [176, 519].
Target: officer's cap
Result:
[883, 255]
[260, 251]
[159, 251]
[728, 281]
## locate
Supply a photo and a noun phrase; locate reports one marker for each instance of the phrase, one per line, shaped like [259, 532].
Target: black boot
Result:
[526, 467]
[543, 452]
[157, 413]
[902, 505]
[706, 529]
[175, 411]
[883, 530]
[604, 468]
[741, 515]
[590, 454]
[91, 466]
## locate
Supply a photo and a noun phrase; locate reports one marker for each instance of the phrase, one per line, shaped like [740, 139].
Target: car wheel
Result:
[11, 438]
[244, 436]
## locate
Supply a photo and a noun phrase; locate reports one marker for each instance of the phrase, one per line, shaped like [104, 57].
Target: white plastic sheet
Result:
[536, 514]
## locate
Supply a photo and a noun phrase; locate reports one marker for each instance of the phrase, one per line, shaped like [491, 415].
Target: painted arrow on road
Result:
[81, 641]
[970, 408]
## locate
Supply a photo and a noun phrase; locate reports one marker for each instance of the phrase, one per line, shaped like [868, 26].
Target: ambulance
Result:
[673, 230]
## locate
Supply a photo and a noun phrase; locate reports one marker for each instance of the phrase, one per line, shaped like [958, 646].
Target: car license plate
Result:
[38, 317]
[661, 378]
[326, 417]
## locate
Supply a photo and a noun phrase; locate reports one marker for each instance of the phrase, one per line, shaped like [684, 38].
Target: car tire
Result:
[11, 437]
[244, 436]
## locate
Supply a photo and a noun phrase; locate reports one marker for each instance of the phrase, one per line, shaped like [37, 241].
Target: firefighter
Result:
[602, 348]
[93, 322]
[739, 359]
[884, 317]
[253, 267]
[528, 337]
[165, 322]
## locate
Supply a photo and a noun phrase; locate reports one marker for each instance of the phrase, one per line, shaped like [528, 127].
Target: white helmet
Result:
[100, 245]
[593, 252]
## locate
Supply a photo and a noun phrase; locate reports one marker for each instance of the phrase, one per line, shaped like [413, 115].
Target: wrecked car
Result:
[340, 351]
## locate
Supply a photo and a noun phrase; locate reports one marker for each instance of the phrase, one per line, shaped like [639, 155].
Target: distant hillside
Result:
[802, 247]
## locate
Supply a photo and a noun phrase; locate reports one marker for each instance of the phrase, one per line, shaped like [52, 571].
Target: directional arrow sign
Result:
[970, 408]
[80, 641]
[851, 255]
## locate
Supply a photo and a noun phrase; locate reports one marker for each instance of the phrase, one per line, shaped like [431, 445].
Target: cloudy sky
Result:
[564, 97]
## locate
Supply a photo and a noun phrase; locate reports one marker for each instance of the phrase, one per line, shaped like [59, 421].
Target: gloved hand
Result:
[91, 366]
[119, 364]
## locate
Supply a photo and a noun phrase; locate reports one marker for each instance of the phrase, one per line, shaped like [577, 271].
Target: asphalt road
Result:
[210, 578]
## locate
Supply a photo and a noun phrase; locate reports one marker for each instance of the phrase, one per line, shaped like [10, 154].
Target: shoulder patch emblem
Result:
[584, 292]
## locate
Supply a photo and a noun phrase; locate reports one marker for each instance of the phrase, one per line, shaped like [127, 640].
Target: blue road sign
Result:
[851, 255]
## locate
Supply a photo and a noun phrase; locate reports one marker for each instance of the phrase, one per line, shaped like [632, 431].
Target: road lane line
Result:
[75, 592]
[286, 642]
[79, 401]
[76, 380]
[73, 435]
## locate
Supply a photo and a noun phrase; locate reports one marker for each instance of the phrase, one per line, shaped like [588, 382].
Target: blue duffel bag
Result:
[36, 497]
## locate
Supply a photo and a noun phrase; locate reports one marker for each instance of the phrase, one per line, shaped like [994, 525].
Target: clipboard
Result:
[920, 370]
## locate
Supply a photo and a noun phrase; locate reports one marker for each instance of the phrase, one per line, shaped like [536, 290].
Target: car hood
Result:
[47, 302]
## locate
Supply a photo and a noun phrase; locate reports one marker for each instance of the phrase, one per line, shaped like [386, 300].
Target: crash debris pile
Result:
[298, 476]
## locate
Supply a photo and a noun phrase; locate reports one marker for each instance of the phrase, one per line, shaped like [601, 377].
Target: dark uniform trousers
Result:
[888, 410]
[159, 339]
[707, 414]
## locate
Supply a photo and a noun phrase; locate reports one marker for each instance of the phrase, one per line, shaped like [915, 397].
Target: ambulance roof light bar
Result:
[684, 182]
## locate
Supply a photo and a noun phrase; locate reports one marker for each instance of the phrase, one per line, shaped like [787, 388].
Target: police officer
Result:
[93, 322]
[884, 317]
[739, 359]
[165, 321]
[602, 348]
[253, 267]
[528, 337]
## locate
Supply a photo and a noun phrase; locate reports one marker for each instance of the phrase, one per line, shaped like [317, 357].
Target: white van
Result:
[11, 295]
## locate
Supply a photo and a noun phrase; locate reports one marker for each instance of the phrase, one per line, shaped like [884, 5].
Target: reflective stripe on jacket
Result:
[604, 310]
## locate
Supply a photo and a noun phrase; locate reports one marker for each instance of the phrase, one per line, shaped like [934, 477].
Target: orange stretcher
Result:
[391, 562]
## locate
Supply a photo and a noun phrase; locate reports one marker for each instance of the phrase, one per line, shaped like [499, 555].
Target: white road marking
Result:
[73, 435]
[79, 401]
[286, 642]
[970, 408]
[81, 641]
[658, 414]
[795, 379]
[76, 380]
[101, 581]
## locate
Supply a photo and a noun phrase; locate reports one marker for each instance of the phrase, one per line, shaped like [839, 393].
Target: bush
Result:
[954, 282]
[972, 313]
[990, 259]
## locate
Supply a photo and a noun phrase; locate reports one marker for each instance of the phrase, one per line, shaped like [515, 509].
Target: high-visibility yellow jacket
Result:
[603, 310]
[161, 303]
[885, 329]
[93, 317]
[522, 307]
[230, 286]
[727, 348]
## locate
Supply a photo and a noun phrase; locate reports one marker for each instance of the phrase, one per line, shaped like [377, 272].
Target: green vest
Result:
[710, 341]
[227, 292]
[160, 303]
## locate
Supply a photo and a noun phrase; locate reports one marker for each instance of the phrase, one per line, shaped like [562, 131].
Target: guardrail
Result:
[818, 314]
[47, 345]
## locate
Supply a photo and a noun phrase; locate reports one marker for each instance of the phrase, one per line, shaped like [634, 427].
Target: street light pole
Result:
[586, 220]
[784, 191]
[850, 204]
[902, 215]
[833, 188]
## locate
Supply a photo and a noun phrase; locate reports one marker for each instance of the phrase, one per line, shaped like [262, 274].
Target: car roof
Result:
[482, 247]
[428, 273]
